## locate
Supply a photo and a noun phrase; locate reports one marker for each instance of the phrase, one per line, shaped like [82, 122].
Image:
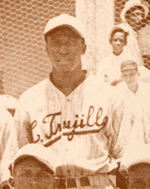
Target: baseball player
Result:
[135, 166]
[31, 168]
[109, 68]
[69, 113]
[132, 16]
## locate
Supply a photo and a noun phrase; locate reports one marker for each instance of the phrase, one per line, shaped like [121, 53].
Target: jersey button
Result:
[68, 100]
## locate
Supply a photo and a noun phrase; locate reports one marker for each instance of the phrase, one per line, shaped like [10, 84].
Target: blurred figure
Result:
[134, 95]
[133, 15]
[6, 122]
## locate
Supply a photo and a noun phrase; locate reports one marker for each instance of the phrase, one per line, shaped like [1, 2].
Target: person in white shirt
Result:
[109, 68]
[69, 113]
[134, 94]
[135, 119]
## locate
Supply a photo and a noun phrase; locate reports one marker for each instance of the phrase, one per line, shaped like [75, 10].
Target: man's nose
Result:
[118, 42]
[63, 49]
[139, 17]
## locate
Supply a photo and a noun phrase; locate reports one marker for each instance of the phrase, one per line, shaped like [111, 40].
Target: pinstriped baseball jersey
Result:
[74, 128]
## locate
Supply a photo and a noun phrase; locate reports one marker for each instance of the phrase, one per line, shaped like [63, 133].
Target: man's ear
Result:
[47, 49]
[11, 181]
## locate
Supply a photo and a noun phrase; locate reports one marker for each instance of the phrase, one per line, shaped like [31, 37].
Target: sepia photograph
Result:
[74, 94]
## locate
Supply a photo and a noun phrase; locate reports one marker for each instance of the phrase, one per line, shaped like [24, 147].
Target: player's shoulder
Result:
[5, 116]
[33, 92]
[106, 61]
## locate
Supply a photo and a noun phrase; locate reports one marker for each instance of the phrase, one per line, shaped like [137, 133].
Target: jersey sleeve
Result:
[116, 111]
[22, 124]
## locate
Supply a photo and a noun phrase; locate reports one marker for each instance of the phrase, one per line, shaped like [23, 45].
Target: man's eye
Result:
[42, 175]
[26, 173]
[138, 184]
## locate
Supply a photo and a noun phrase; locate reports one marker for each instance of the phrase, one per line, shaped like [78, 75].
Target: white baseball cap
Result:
[37, 151]
[65, 20]
[135, 155]
[130, 4]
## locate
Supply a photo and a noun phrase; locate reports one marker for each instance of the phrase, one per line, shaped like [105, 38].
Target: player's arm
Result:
[22, 124]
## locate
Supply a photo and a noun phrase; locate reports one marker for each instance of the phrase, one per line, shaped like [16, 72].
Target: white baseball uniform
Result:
[109, 68]
[76, 129]
[135, 124]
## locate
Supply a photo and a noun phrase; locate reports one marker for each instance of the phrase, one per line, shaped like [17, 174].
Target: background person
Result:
[6, 131]
[132, 16]
[109, 68]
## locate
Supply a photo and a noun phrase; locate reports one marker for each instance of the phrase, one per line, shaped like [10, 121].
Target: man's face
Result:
[130, 76]
[118, 42]
[30, 174]
[139, 178]
[65, 47]
[135, 17]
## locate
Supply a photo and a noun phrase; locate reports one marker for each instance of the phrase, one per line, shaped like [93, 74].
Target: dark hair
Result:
[138, 166]
[118, 29]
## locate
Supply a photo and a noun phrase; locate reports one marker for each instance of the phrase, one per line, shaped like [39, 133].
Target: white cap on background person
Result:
[65, 20]
[133, 3]
[128, 65]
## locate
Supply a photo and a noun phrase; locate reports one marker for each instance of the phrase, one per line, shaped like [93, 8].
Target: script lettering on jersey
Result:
[70, 128]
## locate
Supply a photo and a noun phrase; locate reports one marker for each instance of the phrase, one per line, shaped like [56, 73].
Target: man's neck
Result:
[68, 81]
[117, 53]
[133, 87]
